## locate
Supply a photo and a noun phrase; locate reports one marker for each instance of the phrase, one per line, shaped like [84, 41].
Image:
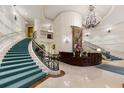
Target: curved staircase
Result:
[18, 69]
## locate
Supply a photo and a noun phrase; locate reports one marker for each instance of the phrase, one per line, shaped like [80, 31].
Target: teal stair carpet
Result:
[111, 68]
[111, 57]
[115, 58]
[17, 69]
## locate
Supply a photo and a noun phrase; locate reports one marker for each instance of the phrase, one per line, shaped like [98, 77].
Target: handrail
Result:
[38, 44]
[95, 47]
[2, 37]
[9, 34]
[50, 60]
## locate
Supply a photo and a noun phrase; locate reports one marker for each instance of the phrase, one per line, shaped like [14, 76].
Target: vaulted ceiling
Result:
[50, 12]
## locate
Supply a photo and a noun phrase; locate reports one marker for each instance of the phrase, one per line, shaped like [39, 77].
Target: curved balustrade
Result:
[105, 54]
[95, 47]
[10, 36]
[50, 60]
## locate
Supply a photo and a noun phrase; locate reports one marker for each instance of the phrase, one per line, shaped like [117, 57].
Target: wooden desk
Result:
[90, 60]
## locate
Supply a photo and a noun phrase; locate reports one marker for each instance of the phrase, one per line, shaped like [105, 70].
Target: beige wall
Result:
[62, 29]
[113, 41]
[7, 22]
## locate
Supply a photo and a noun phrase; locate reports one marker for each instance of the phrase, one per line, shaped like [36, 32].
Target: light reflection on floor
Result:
[87, 77]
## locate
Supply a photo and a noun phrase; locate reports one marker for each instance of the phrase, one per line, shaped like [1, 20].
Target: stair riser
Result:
[18, 60]
[17, 49]
[16, 53]
[15, 67]
[18, 79]
[27, 85]
[20, 46]
[11, 55]
[18, 72]
[12, 63]
[21, 70]
[11, 59]
[16, 56]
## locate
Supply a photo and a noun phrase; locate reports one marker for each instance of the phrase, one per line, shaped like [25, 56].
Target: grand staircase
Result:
[105, 53]
[17, 69]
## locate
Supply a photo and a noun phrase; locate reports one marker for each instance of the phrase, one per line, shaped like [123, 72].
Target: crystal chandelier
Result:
[91, 20]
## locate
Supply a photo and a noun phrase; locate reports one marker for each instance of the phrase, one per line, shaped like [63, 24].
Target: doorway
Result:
[30, 31]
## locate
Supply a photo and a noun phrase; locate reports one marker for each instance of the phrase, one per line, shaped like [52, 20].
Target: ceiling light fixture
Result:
[92, 19]
[14, 12]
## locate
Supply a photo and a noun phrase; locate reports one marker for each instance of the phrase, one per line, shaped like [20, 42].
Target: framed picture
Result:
[76, 38]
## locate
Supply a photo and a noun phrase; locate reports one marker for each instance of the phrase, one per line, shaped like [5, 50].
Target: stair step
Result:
[13, 79]
[18, 51]
[16, 58]
[18, 69]
[28, 81]
[19, 46]
[16, 55]
[5, 63]
[15, 66]
[8, 73]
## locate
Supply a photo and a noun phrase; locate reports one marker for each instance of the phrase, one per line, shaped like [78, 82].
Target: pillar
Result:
[63, 31]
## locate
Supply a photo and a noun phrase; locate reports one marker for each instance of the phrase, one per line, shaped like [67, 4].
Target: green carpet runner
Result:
[111, 68]
[17, 69]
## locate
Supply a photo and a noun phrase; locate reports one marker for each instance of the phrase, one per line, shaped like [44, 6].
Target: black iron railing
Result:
[95, 47]
[50, 60]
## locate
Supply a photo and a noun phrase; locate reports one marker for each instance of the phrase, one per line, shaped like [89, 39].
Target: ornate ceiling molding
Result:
[64, 11]
[108, 13]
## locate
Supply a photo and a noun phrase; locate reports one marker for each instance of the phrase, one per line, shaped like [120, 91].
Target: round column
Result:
[63, 31]
[37, 27]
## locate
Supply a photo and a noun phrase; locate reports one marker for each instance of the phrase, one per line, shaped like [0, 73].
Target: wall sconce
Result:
[66, 39]
[109, 30]
[98, 50]
[87, 34]
[15, 17]
[14, 12]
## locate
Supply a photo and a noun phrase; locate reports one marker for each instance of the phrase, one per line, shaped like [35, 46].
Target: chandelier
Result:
[92, 19]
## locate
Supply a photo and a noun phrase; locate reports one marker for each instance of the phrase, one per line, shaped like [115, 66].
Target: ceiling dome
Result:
[52, 11]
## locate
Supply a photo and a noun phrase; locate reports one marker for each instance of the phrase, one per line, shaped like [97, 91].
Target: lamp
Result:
[14, 12]
[66, 39]
[109, 30]
[98, 50]
[92, 19]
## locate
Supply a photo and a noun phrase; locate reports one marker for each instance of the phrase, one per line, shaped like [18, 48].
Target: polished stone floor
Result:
[85, 77]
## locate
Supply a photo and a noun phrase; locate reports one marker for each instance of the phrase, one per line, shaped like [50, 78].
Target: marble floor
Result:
[85, 77]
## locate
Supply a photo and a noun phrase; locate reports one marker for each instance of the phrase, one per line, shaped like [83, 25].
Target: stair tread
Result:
[17, 60]
[15, 70]
[17, 57]
[18, 68]
[17, 54]
[14, 65]
[5, 80]
[27, 80]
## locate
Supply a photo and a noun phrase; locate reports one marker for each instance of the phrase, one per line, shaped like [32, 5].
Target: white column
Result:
[63, 32]
[37, 27]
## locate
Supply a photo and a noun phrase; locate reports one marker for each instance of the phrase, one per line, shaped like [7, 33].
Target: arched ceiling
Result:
[50, 12]
[53, 11]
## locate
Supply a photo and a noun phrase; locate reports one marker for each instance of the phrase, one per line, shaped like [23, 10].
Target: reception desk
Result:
[89, 60]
